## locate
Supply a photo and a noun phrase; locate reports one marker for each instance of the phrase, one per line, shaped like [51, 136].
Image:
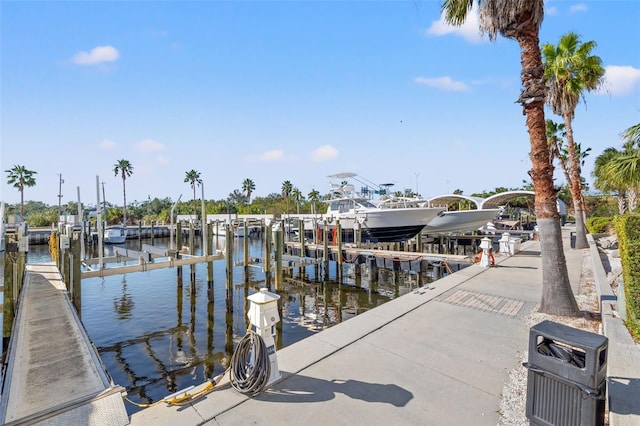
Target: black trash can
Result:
[566, 383]
[573, 240]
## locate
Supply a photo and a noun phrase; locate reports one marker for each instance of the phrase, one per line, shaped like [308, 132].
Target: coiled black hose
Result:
[250, 366]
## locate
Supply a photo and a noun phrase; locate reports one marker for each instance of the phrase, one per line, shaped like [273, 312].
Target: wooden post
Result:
[76, 273]
[229, 257]
[192, 250]
[325, 250]
[339, 237]
[245, 245]
[67, 265]
[279, 239]
[209, 243]
[267, 254]
[10, 275]
[178, 249]
[139, 236]
[153, 232]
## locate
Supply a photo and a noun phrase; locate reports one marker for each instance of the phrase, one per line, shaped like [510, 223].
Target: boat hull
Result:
[114, 235]
[462, 221]
[386, 225]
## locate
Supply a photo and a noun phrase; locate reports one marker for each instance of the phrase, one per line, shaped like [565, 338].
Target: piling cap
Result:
[263, 296]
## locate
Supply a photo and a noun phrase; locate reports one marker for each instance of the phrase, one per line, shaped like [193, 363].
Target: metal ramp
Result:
[53, 373]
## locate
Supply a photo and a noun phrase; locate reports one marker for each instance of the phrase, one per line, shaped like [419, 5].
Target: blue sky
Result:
[275, 91]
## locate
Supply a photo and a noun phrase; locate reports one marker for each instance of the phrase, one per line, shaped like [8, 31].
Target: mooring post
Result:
[178, 249]
[10, 276]
[339, 238]
[209, 244]
[139, 236]
[229, 256]
[245, 244]
[153, 232]
[192, 250]
[325, 250]
[279, 239]
[76, 273]
[267, 254]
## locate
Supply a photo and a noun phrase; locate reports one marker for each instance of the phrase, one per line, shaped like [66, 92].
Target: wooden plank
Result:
[150, 266]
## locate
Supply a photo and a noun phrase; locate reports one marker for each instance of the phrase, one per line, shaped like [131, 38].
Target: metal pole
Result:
[203, 226]
[61, 181]
[99, 226]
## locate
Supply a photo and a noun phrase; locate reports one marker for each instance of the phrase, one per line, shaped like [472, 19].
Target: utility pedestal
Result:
[263, 315]
[485, 245]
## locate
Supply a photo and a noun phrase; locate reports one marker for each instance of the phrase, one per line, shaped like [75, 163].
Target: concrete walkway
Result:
[439, 356]
[53, 373]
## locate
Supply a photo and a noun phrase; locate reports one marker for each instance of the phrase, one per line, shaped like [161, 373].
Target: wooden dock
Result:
[54, 374]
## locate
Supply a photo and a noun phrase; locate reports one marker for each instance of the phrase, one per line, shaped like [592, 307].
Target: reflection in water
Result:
[156, 334]
[124, 304]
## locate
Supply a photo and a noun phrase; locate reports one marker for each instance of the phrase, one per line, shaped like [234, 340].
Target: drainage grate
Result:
[485, 302]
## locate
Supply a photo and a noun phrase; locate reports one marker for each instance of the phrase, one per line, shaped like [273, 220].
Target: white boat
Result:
[115, 234]
[460, 221]
[376, 223]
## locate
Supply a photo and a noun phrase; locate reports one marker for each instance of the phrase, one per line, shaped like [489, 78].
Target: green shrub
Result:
[628, 229]
[600, 224]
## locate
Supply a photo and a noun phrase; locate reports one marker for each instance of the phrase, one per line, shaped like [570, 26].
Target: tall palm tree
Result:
[125, 169]
[248, 186]
[287, 188]
[571, 70]
[314, 197]
[521, 20]
[20, 177]
[193, 178]
[297, 195]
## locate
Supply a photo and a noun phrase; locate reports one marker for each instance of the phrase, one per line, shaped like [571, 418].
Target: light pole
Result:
[61, 181]
[417, 175]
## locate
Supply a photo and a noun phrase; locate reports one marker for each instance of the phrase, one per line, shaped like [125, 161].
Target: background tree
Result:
[297, 195]
[20, 177]
[314, 197]
[248, 186]
[287, 188]
[602, 181]
[570, 70]
[521, 20]
[193, 178]
[125, 169]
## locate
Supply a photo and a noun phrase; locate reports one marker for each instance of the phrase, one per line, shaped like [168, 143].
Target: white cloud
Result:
[324, 153]
[97, 55]
[270, 156]
[551, 10]
[162, 159]
[580, 7]
[443, 83]
[107, 145]
[149, 145]
[470, 30]
[620, 80]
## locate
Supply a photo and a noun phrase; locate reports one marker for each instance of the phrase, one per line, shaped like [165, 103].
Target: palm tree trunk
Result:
[576, 186]
[124, 195]
[22, 204]
[621, 203]
[557, 296]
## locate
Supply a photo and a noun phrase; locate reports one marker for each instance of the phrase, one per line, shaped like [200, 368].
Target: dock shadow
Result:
[623, 395]
[304, 389]
[516, 267]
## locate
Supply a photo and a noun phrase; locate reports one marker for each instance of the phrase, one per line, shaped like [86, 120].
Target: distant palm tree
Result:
[125, 169]
[248, 186]
[314, 197]
[297, 195]
[570, 71]
[521, 21]
[19, 177]
[287, 187]
[193, 178]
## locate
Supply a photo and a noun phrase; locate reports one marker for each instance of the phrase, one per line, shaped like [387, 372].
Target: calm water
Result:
[157, 334]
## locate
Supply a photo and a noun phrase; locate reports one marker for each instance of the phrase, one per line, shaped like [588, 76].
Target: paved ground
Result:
[437, 356]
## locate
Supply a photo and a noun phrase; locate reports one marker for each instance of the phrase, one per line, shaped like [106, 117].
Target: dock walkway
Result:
[53, 372]
[440, 355]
